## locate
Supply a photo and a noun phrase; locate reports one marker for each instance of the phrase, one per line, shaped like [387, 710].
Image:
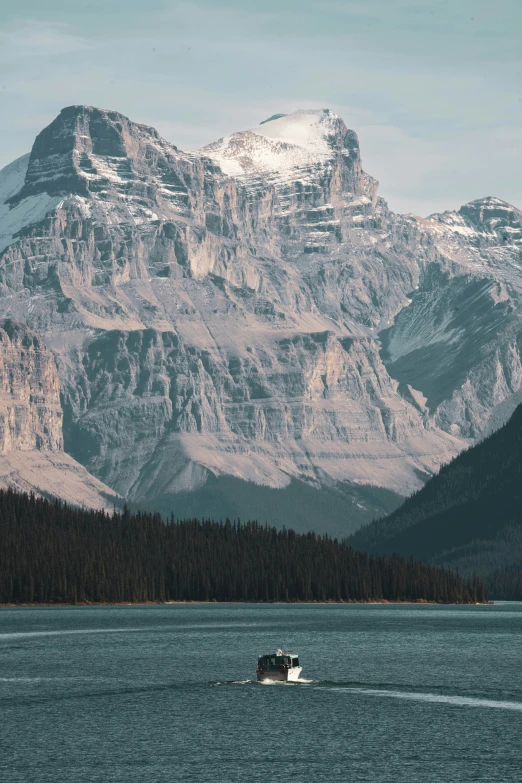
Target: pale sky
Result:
[432, 87]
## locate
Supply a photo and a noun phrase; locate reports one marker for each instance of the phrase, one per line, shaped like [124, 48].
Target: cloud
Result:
[31, 39]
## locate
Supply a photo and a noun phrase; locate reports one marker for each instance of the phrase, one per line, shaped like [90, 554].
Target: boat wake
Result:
[230, 682]
[263, 682]
[26, 679]
[436, 698]
[290, 682]
[38, 634]
[427, 697]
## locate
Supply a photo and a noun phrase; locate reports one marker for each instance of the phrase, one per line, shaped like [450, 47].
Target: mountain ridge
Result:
[213, 325]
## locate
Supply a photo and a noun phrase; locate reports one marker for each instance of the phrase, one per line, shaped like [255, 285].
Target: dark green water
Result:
[165, 693]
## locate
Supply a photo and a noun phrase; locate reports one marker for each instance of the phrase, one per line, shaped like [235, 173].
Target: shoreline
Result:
[375, 602]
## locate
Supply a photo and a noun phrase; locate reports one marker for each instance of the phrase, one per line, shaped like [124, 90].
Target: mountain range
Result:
[247, 329]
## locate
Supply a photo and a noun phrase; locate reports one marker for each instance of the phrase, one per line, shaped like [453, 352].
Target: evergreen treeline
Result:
[51, 553]
[505, 585]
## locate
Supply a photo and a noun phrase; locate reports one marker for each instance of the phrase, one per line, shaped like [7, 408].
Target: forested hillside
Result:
[51, 553]
[469, 516]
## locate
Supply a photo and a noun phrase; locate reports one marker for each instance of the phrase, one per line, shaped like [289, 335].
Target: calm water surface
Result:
[166, 693]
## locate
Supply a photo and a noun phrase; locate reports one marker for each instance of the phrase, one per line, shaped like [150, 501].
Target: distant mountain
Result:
[247, 328]
[468, 517]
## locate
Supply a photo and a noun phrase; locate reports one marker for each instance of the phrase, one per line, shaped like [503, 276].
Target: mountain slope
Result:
[31, 441]
[468, 516]
[253, 312]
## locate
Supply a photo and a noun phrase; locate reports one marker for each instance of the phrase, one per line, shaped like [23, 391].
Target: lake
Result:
[168, 693]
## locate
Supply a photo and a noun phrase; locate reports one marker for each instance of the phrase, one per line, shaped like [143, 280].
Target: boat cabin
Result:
[275, 661]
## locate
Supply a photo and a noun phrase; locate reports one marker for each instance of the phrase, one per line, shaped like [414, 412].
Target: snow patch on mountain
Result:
[13, 218]
[12, 177]
[293, 141]
[488, 218]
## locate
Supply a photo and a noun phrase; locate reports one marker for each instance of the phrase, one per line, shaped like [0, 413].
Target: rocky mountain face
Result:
[30, 411]
[253, 312]
[459, 341]
[31, 441]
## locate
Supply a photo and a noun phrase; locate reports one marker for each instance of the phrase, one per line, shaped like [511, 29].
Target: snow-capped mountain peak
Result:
[306, 137]
[313, 130]
[484, 218]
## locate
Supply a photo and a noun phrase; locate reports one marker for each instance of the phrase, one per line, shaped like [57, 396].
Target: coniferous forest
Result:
[467, 517]
[52, 553]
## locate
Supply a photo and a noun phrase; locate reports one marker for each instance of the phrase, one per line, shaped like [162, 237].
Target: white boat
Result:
[279, 667]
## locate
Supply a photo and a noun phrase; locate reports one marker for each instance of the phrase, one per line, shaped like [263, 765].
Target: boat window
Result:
[287, 660]
[295, 661]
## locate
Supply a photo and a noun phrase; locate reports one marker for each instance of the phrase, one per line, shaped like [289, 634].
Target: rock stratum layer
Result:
[253, 310]
[30, 411]
[31, 442]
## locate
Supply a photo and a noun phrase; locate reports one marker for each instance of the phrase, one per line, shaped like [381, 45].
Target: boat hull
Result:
[289, 675]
